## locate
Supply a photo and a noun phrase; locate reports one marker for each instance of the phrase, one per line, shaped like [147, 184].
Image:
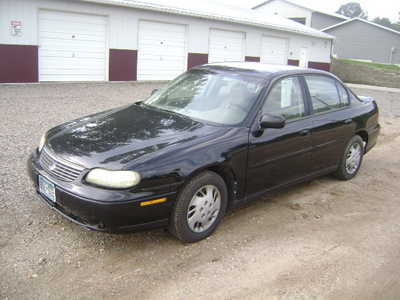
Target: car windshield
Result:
[224, 98]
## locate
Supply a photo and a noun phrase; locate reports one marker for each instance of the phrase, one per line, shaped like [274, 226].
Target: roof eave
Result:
[361, 20]
[176, 11]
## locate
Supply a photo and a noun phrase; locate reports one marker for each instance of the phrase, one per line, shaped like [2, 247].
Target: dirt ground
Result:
[326, 239]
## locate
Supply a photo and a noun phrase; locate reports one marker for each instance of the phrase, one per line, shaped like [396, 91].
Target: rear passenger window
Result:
[324, 93]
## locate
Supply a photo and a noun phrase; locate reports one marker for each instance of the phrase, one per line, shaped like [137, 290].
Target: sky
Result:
[375, 8]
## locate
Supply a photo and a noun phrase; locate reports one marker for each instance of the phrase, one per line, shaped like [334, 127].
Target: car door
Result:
[332, 125]
[279, 156]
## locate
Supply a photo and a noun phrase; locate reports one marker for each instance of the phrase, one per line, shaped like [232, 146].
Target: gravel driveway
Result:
[324, 239]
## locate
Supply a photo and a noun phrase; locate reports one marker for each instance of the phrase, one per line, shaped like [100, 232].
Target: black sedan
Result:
[215, 137]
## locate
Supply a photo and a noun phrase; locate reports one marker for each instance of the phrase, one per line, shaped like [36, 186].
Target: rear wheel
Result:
[351, 161]
[199, 208]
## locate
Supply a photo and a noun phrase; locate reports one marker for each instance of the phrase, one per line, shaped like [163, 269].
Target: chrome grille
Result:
[61, 170]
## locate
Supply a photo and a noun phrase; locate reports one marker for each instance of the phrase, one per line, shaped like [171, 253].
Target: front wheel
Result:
[199, 208]
[352, 158]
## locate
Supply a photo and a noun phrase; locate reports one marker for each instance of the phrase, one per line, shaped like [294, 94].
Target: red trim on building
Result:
[252, 58]
[122, 65]
[195, 59]
[18, 63]
[293, 62]
[319, 65]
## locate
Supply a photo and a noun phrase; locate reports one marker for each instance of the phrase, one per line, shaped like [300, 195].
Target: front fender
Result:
[225, 153]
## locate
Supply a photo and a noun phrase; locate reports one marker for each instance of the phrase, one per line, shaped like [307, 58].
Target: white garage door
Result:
[162, 50]
[226, 46]
[72, 47]
[274, 50]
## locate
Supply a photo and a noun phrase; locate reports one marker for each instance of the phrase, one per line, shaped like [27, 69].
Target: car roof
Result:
[260, 69]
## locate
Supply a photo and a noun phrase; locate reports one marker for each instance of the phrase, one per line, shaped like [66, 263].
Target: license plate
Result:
[47, 188]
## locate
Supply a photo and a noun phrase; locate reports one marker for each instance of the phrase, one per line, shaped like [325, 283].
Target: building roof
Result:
[210, 10]
[361, 20]
[305, 7]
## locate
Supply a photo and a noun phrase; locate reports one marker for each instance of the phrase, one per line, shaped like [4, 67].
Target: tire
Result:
[345, 169]
[193, 203]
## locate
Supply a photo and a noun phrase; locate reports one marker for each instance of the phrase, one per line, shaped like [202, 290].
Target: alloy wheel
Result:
[353, 158]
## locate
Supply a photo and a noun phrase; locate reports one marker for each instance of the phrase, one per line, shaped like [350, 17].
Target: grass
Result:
[374, 65]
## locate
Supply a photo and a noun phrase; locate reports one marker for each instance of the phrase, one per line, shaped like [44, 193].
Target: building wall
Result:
[359, 40]
[123, 36]
[286, 10]
[320, 21]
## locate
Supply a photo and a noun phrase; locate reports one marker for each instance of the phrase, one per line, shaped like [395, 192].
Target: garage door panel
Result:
[158, 33]
[60, 62]
[72, 46]
[67, 53]
[163, 74]
[69, 22]
[231, 43]
[69, 29]
[177, 47]
[274, 50]
[162, 50]
[163, 43]
[73, 70]
[66, 27]
[157, 26]
[74, 77]
[50, 15]
[162, 40]
[167, 51]
[149, 60]
[160, 67]
[87, 46]
[226, 46]
[50, 36]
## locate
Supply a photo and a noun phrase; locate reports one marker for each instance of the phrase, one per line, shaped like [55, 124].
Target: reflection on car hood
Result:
[115, 138]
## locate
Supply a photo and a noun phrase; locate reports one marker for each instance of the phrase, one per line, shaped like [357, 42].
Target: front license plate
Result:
[47, 188]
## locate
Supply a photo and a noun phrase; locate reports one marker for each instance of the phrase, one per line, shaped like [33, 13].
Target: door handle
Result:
[304, 132]
[348, 121]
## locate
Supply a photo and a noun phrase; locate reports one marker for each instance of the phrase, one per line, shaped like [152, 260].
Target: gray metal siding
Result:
[360, 40]
[320, 21]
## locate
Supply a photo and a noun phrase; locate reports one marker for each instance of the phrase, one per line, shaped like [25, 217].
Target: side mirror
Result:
[272, 121]
[154, 91]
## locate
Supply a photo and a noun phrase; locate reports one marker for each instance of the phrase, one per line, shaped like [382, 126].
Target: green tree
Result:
[387, 23]
[352, 10]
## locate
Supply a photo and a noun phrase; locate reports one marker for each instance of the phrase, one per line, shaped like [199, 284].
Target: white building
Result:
[308, 16]
[121, 40]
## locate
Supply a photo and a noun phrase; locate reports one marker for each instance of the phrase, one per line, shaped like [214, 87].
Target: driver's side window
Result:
[285, 99]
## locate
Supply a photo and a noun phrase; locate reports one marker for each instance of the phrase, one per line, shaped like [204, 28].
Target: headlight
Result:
[42, 142]
[113, 179]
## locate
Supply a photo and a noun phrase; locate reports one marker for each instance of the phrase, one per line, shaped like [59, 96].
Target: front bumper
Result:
[104, 210]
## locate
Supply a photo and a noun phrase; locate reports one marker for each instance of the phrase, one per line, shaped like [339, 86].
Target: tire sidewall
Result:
[356, 139]
[179, 225]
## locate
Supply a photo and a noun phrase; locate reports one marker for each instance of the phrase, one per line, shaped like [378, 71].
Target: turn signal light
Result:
[151, 202]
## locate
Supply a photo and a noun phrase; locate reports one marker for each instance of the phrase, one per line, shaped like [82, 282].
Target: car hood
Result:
[116, 138]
